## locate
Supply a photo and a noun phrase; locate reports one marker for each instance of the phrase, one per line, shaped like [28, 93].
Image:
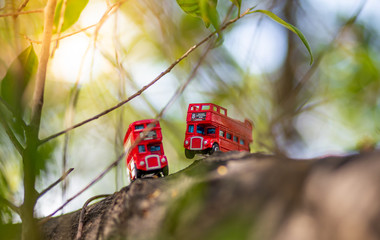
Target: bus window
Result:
[222, 111]
[221, 133]
[190, 128]
[214, 108]
[200, 130]
[241, 141]
[155, 148]
[210, 130]
[205, 107]
[194, 108]
[142, 148]
[228, 136]
[235, 139]
[138, 127]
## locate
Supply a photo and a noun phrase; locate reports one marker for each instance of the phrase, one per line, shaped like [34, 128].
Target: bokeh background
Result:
[260, 71]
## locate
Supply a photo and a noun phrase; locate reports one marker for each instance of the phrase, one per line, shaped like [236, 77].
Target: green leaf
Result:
[17, 78]
[204, 9]
[73, 11]
[290, 27]
[238, 5]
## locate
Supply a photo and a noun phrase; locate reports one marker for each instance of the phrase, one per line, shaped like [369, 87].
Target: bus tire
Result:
[165, 170]
[189, 154]
[214, 148]
[135, 173]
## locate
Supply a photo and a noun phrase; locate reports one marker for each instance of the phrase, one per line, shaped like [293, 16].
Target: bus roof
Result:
[144, 122]
[195, 107]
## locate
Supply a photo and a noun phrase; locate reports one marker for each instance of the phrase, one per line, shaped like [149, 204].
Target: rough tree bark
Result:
[241, 196]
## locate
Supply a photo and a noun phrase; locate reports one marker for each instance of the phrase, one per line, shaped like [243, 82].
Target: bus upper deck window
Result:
[214, 108]
[200, 130]
[194, 108]
[138, 127]
[190, 128]
[222, 111]
[142, 149]
[205, 107]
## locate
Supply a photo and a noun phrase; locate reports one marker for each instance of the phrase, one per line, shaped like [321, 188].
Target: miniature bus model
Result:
[147, 157]
[209, 129]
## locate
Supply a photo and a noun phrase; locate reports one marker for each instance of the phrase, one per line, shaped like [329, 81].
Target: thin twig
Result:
[56, 182]
[10, 205]
[60, 24]
[313, 68]
[21, 13]
[113, 8]
[12, 136]
[82, 213]
[62, 37]
[186, 83]
[23, 5]
[100, 176]
[190, 50]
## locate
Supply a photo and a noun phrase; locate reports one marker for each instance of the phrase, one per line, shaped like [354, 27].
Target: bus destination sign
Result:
[198, 116]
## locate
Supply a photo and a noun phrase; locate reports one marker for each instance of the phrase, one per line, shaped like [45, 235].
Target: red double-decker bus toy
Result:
[147, 158]
[209, 129]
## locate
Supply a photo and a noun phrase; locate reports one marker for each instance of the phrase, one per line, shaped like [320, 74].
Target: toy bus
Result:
[209, 129]
[147, 158]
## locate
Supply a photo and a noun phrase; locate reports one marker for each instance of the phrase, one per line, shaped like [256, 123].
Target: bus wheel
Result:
[134, 173]
[165, 170]
[215, 148]
[189, 154]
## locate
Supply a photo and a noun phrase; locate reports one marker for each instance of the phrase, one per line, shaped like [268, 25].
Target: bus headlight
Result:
[205, 142]
[163, 160]
[186, 142]
[142, 163]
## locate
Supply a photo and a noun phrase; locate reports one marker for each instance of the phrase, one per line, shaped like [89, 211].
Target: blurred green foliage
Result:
[73, 10]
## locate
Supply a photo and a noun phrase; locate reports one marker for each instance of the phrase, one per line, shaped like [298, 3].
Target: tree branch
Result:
[60, 24]
[187, 53]
[38, 97]
[56, 182]
[23, 5]
[21, 13]
[12, 136]
[88, 185]
[110, 10]
[10, 205]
